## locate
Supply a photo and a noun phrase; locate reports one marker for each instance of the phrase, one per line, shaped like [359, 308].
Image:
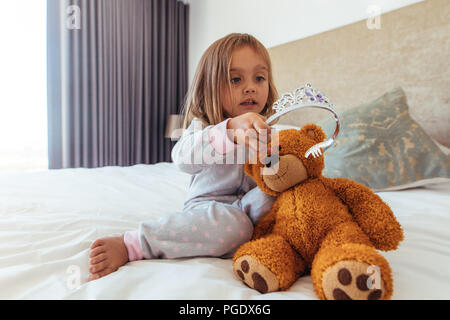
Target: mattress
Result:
[49, 219]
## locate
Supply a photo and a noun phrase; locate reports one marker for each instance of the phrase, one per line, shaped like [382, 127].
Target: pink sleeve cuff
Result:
[219, 139]
[131, 239]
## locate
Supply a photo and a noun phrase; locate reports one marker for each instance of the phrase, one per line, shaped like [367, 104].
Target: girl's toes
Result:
[98, 258]
[97, 251]
[93, 277]
[98, 267]
[102, 273]
[96, 243]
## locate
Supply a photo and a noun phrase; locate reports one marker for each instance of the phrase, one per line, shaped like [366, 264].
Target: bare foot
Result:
[107, 255]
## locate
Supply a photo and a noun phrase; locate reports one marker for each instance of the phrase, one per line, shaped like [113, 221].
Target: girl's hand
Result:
[250, 130]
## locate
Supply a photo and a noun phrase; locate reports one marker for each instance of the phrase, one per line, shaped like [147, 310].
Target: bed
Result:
[49, 219]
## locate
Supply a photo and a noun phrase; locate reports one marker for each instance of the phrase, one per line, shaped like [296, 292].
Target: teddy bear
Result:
[328, 227]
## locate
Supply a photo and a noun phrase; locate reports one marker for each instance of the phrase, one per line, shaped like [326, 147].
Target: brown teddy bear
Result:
[328, 226]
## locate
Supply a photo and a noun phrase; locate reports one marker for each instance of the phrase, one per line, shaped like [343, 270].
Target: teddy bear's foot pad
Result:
[255, 275]
[353, 280]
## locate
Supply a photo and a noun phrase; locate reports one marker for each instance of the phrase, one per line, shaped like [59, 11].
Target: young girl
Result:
[232, 89]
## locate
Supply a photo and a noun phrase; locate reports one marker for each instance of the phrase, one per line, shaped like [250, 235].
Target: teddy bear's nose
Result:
[271, 160]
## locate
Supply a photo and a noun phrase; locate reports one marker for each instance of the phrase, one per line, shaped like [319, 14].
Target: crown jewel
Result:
[302, 97]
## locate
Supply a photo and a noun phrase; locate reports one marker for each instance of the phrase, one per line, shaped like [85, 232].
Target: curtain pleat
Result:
[115, 81]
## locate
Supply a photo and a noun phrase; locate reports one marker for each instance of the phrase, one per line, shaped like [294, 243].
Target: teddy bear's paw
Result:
[255, 275]
[353, 280]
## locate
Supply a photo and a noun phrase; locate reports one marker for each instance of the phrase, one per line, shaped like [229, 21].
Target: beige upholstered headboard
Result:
[354, 64]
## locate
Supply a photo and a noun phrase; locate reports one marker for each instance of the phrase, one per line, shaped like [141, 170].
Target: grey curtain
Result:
[116, 70]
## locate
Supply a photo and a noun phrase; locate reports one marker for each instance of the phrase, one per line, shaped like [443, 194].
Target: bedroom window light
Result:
[23, 86]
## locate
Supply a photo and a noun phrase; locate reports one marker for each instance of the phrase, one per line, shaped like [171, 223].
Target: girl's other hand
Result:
[251, 130]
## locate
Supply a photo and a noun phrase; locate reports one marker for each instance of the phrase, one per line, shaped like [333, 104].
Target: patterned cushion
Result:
[382, 147]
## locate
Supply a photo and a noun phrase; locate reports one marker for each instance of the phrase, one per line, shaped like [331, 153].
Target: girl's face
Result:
[249, 85]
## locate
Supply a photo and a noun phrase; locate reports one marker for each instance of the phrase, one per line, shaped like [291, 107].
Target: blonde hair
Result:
[213, 72]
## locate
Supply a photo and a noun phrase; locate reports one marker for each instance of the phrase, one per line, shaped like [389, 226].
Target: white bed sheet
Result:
[49, 219]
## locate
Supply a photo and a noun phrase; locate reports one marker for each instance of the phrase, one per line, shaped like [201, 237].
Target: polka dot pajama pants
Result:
[205, 228]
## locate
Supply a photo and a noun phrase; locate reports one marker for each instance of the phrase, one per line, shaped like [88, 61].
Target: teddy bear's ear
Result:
[314, 131]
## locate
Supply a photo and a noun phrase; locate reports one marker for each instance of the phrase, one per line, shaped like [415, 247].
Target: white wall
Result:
[23, 86]
[274, 22]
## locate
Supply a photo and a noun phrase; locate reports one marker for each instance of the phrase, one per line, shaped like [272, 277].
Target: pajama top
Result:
[222, 206]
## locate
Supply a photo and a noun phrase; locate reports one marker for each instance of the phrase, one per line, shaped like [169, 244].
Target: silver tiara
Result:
[303, 97]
